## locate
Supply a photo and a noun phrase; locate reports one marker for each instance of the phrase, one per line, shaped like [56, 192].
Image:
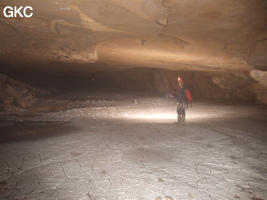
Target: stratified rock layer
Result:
[186, 35]
[179, 35]
[15, 93]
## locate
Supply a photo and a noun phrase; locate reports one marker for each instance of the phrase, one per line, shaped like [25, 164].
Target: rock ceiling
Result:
[189, 35]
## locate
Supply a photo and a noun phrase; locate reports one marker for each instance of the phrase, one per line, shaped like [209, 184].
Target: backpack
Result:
[189, 97]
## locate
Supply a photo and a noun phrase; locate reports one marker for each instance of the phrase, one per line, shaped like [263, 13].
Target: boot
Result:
[183, 120]
[179, 119]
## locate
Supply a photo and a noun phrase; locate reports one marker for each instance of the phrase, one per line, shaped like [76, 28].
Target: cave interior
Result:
[85, 107]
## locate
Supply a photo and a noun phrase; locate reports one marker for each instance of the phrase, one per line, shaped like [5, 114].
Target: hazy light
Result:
[155, 116]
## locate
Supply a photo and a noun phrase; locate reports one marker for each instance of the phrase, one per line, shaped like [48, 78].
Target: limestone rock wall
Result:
[242, 86]
[259, 87]
[206, 35]
[219, 47]
[15, 93]
[225, 86]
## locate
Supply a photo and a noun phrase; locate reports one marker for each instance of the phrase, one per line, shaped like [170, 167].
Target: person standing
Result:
[182, 100]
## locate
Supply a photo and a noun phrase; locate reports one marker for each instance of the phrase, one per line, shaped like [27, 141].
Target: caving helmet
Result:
[180, 80]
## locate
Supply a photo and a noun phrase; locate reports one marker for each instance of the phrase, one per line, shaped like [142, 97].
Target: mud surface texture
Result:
[127, 146]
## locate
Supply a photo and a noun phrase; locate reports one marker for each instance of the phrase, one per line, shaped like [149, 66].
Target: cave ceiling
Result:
[189, 35]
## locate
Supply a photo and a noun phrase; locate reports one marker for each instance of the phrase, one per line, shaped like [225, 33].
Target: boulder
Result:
[24, 102]
[11, 91]
[16, 93]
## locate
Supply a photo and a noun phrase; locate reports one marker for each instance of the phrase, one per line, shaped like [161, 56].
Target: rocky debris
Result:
[260, 87]
[15, 93]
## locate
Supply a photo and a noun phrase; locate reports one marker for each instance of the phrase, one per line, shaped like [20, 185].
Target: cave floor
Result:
[119, 146]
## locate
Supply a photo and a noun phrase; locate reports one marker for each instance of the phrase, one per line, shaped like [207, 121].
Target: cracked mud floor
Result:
[121, 149]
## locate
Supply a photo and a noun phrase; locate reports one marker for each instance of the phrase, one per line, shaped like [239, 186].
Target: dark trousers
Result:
[181, 109]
